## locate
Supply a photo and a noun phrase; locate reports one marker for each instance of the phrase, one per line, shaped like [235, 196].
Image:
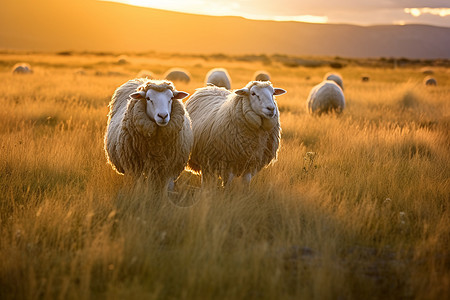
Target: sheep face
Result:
[262, 100]
[159, 103]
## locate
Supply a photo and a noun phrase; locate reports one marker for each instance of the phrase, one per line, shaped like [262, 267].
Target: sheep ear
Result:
[138, 95]
[179, 94]
[278, 91]
[242, 92]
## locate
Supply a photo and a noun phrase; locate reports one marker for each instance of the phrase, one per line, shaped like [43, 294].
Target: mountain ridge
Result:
[109, 26]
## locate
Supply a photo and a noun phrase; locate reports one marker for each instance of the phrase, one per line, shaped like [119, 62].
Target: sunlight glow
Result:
[416, 12]
[204, 7]
[304, 18]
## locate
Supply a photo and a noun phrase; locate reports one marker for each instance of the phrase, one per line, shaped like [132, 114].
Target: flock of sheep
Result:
[218, 132]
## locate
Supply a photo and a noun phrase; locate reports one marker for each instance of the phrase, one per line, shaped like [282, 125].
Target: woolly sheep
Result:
[122, 60]
[261, 76]
[429, 81]
[218, 77]
[22, 68]
[336, 78]
[235, 133]
[324, 97]
[146, 74]
[149, 133]
[176, 74]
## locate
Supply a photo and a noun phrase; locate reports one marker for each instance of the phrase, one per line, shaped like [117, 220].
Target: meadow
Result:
[356, 207]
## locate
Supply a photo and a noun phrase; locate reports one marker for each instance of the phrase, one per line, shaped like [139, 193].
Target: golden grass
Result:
[356, 207]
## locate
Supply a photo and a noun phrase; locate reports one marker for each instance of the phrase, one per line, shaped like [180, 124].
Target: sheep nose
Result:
[270, 108]
[163, 116]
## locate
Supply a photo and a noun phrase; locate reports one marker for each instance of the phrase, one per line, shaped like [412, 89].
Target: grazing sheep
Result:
[324, 97]
[176, 74]
[261, 76]
[122, 60]
[146, 74]
[235, 133]
[336, 78]
[218, 77]
[22, 68]
[430, 81]
[149, 132]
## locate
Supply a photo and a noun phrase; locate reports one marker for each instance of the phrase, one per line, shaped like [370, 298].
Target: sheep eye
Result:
[253, 94]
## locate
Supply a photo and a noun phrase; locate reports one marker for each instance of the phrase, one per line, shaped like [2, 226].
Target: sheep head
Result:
[261, 96]
[159, 96]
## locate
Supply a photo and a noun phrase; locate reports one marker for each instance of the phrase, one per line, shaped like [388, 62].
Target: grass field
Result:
[356, 207]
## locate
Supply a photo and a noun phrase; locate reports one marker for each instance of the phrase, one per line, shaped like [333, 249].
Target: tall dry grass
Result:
[356, 207]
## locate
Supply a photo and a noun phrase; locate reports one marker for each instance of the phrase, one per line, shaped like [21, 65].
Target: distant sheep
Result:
[146, 74]
[261, 76]
[365, 78]
[22, 68]
[122, 60]
[235, 133]
[325, 97]
[430, 81]
[149, 133]
[218, 77]
[336, 78]
[176, 74]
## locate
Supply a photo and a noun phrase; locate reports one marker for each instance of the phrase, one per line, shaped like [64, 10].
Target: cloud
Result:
[368, 12]
[417, 12]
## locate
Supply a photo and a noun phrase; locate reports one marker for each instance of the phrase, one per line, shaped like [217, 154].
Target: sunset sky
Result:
[367, 12]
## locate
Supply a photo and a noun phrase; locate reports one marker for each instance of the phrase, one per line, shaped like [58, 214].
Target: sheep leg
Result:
[171, 185]
[228, 179]
[246, 178]
[207, 178]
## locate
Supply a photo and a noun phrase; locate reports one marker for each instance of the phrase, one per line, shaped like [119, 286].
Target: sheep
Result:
[365, 78]
[335, 77]
[149, 133]
[22, 68]
[261, 76]
[122, 60]
[429, 81]
[145, 74]
[235, 133]
[324, 97]
[218, 77]
[176, 74]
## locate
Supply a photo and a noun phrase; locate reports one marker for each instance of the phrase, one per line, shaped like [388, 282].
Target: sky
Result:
[359, 12]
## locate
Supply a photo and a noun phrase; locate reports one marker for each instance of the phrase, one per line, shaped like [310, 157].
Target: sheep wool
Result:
[135, 145]
[218, 77]
[22, 68]
[230, 138]
[430, 81]
[261, 76]
[324, 97]
[177, 74]
[336, 78]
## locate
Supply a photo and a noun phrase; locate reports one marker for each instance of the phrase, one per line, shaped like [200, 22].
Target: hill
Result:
[105, 26]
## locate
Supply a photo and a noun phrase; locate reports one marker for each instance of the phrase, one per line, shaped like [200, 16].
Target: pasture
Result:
[356, 207]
